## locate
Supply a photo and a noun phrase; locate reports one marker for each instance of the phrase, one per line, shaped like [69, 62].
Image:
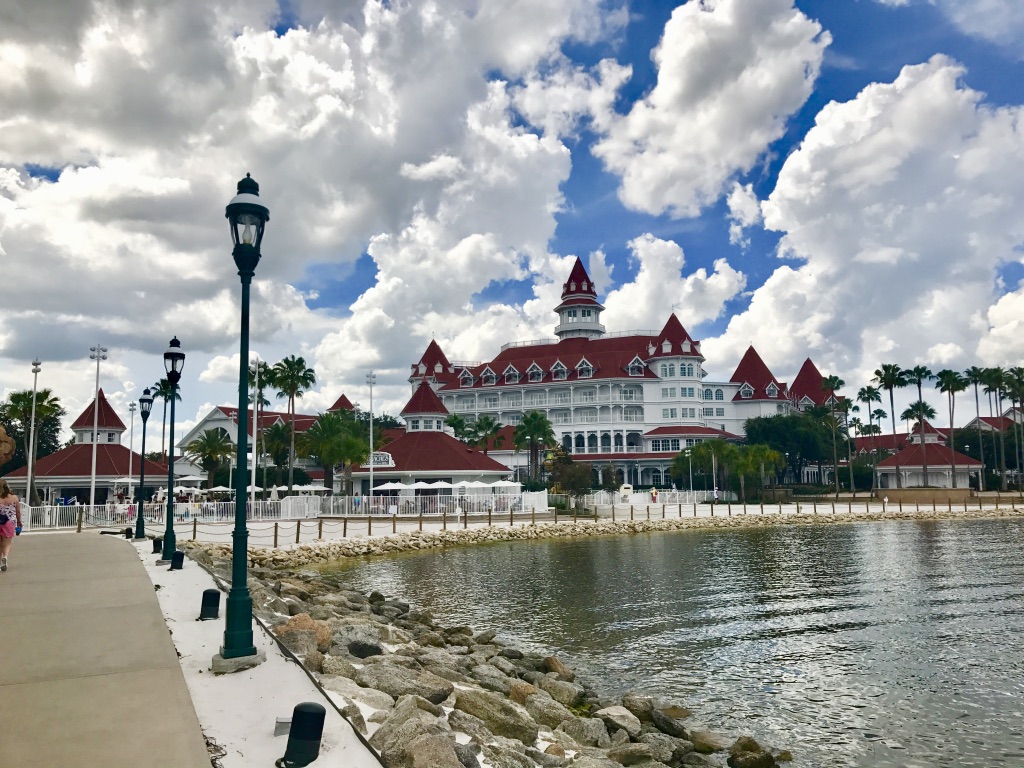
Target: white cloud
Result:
[998, 21]
[899, 206]
[744, 212]
[729, 75]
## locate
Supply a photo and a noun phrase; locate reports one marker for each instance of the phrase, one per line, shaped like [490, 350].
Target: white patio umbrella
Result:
[441, 484]
[421, 484]
[392, 486]
[220, 489]
[191, 479]
[252, 488]
[505, 484]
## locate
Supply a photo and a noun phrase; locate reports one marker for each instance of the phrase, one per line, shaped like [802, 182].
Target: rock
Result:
[350, 689]
[395, 733]
[544, 758]
[362, 649]
[518, 690]
[555, 749]
[666, 749]
[565, 693]
[303, 622]
[639, 705]
[471, 725]
[594, 762]
[482, 671]
[337, 666]
[747, 753]
[467, 754]
[354, 716]
[697, 759]
[675, 711]
[503, 664]
[552, 664]
[484, 637]
[394, 635]
[500, 715]
[619, 737]
[707, 742]
[313, 661]
[620, 717]
[431, 638]
[510, 653]
[432, 751]
[546, 710]
[448, 673]
[393, 658]
[501, 756]
[398, 681]
[301, 642]
[375, 597]
[668, 725]
[631, 754]
[588, 731]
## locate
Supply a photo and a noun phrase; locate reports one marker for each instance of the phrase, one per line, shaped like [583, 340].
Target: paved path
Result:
[88, 673]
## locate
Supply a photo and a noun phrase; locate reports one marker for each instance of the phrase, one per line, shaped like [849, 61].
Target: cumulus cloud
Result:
[898, 208]
[729, 75]
[998, 21]
[744, 212]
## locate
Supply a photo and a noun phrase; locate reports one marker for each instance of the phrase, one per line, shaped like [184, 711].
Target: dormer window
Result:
[666, 346]
[466, 379]
[559, 372]
[584, 285]
[438, 368]
[487, 378]
[746, 392]
[584, 370]
[636, 367]
[511, 375]
[772, 390]
[534, 373]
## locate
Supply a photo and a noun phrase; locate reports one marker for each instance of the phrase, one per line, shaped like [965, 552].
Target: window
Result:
[466, 380]
[414, 424]
[488, 379]
[490, 402]
[772, 390]
[719, 394]
[686, 370]
[690, 442]
[111, 436]
[636, 368]
[719, 411]
[668, 413]
[746, 392]
[668, 392]
[668, 370]
[689, 413]
[558, 372]
[534, 373]
[584, 370]
[674, 444]
[686, 392]
[571, 313]
[708, 394]
[709, 411]
[511, 376]
[586, 313]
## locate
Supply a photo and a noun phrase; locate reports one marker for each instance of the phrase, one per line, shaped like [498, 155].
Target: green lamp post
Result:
[174, 361]
[247, 217]
[145, 407]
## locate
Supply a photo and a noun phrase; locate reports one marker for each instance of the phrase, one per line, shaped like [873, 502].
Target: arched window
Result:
[707, 394]
[719, 394]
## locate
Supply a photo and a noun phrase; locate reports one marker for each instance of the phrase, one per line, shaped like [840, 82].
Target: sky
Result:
[839, 180]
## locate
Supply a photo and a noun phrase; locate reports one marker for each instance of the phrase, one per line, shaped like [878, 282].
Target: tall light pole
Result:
[371, 379]
[98, 353]
[131, 441]
[255, 422]
[714, 474]
[36, 367]
[247, 217]
[689, 459]
[145, 406]
[174, 361]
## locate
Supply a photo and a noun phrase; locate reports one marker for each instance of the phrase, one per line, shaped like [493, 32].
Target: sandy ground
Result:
[238, 711]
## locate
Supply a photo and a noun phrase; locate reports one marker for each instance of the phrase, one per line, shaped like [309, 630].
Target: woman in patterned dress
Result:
[11, 508]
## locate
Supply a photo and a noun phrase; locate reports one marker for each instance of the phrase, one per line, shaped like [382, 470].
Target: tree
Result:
[1015, 391]
[750, 460]
[292, 379]
[975, 377]
[917, 376]
[277, 439]
[800, 437]
[333, 439]
[210, 450]
[890, 377]
[534, 433]
[711, 457]
[16, 417]
[833, 384]
[484, 431]
[574, 477]
[950, 382]
[163, 390]
[845, 407]
[920, 411]
[867, 395]
[263, 368]
[995, 381]
[459, 426]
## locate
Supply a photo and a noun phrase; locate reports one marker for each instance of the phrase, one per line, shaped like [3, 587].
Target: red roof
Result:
[433, 363]
[886, 442]
[579, 283]
[808, 383]
[303, 421]
[504, 440]
[108, 419]
[754, 372]
[76, 461]
[679, 341]
[342, 404]
[937, 455]
[691, 431]
[424, 400]
[998, 423]
[429, 451]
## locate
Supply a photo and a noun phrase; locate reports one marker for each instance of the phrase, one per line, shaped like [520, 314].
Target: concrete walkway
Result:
[88, 673]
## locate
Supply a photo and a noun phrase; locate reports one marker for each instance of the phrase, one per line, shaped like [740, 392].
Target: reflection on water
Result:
[876, 644]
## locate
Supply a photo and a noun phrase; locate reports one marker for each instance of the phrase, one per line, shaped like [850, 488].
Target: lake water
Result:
[872, 644]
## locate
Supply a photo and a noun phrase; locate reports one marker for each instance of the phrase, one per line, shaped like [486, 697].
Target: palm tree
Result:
[976, 376]
[259, 380]
[920, 411]
[995, 383]
[868, 395]
[277, 442]
[292, 379]
[334, 438]
[164, 390]
[210, 450]
[485, 430]
[890, 377]
[951, 382]
[1015, 391]
[19, 408]
[534, 432]
[918, 375]
[845, 407]
[459, 425]
[832, 384]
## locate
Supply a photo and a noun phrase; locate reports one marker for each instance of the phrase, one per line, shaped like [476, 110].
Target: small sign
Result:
[382, 459]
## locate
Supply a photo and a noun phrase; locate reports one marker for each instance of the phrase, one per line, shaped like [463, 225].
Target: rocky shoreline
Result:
[450, 697]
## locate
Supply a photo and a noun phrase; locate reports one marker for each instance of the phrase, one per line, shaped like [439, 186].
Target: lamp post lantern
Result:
[247, 217]
[132, 406]
[174, 361]
[98, 353]
[145, 407]
[371, 379]
[36, 367]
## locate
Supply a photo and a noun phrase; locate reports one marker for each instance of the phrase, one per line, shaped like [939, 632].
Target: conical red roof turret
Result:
[424, 400]
[108, 418]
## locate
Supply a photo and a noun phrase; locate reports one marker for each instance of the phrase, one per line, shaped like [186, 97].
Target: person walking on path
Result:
[10, 522]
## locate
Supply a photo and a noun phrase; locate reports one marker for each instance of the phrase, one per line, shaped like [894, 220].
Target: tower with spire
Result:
[579, 313]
